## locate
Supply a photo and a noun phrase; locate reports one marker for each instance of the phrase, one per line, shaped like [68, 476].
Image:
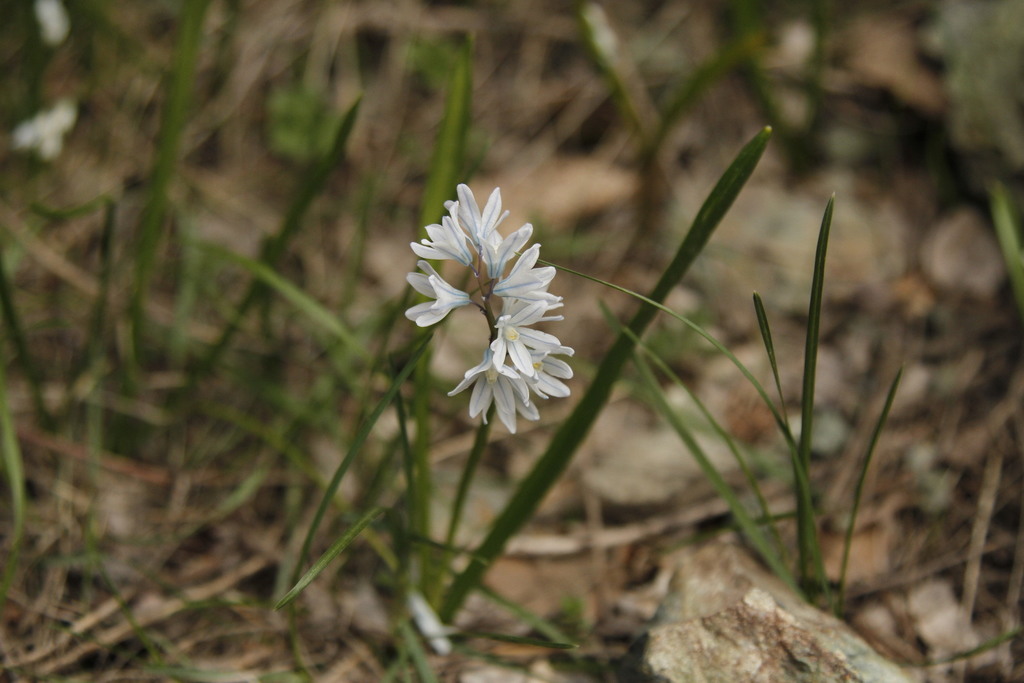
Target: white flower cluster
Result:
[44, 133]
[519, 361]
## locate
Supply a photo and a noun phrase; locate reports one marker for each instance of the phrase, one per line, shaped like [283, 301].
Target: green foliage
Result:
[300, 124]
[1008, 230]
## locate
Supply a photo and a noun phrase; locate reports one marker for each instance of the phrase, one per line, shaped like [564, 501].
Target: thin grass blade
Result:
[603, 45]
[518, 640]
[16, 333]
[750, 529]
[574, 429]
[305, 304]
[14, 475]
[186, 56]
[812, 569]
[358, 441]
[416, 653]
[336, 548]
[719, 431]
[769, 347]
[1008, 232]
[689, 91]
[858, 491]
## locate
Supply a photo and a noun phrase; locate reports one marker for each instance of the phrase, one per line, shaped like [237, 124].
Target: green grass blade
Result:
[549, 630]
[748, 526]
[689, 91]
[462, 493]
[14, 474]
[812, 571]
[518, 640]
[416, 653]
[747, 19]
[310, 186]
[16, 333]
[719, 346]
[574, 429]
[307, 305]
[1008, 231]
[357, 444]
[336, 548]
[858, 491]
[186, 55]
[446, 165]
[601, 43]
[719, 431]
[769, 346]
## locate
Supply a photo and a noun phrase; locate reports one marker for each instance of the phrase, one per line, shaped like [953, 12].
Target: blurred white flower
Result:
[45, 131]
[470, 237]
[429, 623]
[53, 21]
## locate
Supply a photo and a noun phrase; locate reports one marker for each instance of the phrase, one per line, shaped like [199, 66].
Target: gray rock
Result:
[727, 619]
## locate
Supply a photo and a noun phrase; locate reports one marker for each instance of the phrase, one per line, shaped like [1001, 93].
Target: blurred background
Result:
[205, 212]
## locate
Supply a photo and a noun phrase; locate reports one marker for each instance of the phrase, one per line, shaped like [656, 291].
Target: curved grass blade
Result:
[748, 526]
[321, 564]
[723, 435]
[536, 622]
[779, 417]
[859, 489]
[357, 444]
[310, 307]
[567, 439]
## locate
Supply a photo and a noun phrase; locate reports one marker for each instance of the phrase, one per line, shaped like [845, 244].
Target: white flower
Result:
[526, 282]
[497, 252]
[549, 375]
[45, 131]
[501, 385]
[482, 227]
[53, 21]
[516, 339]
[447, 241]
[433, 285]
